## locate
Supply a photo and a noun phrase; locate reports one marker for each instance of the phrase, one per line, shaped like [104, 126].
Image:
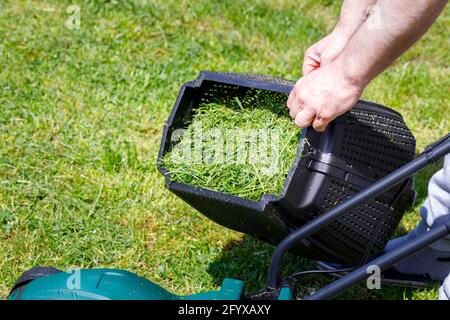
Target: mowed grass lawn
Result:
[82, 112]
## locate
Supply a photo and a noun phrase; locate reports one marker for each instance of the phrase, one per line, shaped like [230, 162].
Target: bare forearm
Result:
[344, 66]
[353, 14]
[393, 27]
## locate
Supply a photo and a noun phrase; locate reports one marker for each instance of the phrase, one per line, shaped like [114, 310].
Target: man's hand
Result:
[324, 51]
[314, 99]
[322, 95]
[353, 13]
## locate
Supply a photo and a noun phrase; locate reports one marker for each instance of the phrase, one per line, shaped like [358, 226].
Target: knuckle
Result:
[300, 94]
[291, 99]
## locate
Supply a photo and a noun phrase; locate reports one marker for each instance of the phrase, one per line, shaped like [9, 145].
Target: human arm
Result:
[352, 15]
[329, 91]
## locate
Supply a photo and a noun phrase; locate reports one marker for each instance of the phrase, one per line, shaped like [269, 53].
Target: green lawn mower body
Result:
[112, 284]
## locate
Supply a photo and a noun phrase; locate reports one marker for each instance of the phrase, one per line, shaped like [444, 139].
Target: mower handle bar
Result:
[382, 262]
[431, 154]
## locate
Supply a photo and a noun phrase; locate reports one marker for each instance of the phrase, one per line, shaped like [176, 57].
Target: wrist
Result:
[352, 74]
[341, 30]
[352, 16]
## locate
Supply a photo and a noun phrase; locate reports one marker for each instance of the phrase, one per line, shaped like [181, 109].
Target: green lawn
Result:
[81, 116]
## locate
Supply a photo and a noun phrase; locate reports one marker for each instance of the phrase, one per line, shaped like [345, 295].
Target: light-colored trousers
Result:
[437, 208]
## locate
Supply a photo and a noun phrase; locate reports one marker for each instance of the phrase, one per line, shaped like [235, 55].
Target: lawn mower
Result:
[342, 199]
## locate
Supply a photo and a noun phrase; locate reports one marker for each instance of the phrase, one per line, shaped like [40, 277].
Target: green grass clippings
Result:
[247, 146]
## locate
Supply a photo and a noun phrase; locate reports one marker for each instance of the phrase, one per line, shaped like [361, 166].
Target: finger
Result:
[314, 57]
[307, 69]
[305, 117]
[291, 99]
[293, 104]
[310, 63]
[319, 124]
[294, 111]
[309, 66]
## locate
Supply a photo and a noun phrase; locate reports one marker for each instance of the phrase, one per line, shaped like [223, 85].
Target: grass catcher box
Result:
[358, 148]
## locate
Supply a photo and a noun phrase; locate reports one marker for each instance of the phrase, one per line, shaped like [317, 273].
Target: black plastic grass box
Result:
[358, 148]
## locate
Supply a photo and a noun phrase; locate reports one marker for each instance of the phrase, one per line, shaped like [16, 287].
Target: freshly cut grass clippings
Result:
[242, 146]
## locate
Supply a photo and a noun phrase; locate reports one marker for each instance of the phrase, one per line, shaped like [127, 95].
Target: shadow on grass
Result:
[248, 259]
